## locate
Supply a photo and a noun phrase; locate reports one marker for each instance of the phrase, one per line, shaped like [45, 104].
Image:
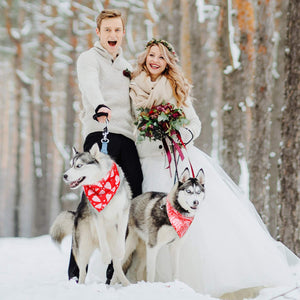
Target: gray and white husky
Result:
[150, 228]
[92, 229]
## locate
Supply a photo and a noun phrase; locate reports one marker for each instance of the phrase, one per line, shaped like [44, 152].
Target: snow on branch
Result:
[149, 29]
[23, 77]
[123, 4]
[16, 33]
[206, 11]
[88, 21]
[85, 9]
[128, 32]
[98, 4]
[64, 8]
[65, 58]
[8, 50]
[58, 41]
[276, 40]
[152, 11]
[234, 49]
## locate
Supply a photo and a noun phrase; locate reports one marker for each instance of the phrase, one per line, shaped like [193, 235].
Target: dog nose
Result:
[65, 176]
[196, 202]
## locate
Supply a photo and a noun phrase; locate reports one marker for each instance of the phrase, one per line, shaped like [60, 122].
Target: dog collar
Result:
[179, 222]
[101, 193]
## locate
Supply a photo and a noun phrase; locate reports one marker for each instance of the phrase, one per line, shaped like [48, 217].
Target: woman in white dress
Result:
[228, 248]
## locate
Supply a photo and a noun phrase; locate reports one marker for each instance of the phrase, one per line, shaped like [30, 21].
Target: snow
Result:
[206, 11]
[24, 78]
[35, 268]
[235, 50]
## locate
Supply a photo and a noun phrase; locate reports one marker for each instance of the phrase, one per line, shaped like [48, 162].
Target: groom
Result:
[105, 90]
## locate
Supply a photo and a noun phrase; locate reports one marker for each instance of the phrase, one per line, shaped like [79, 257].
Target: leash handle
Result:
[105, 140]
[100, 114]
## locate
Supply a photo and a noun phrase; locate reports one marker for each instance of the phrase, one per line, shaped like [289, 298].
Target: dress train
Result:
[227, 247]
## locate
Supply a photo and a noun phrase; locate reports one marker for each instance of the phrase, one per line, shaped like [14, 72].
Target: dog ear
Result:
[185, 175]
[74, 151]
[200, 176]
[94, 150]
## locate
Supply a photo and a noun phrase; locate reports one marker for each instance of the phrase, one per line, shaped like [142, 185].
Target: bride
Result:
[228, 248]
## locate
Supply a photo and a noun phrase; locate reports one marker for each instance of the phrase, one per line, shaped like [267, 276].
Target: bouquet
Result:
[160, 122]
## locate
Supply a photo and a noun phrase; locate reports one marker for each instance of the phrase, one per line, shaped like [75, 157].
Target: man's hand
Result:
[102, 119]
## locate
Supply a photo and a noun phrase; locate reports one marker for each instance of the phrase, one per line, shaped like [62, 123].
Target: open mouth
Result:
[154, 66]
[112, 43]
[75, 183]
[194, 207]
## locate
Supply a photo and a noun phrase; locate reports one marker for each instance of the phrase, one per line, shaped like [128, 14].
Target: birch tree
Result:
[15, 35]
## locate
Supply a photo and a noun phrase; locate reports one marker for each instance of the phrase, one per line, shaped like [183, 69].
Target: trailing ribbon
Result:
[182, 143]
[168, 153]
[102, 192]
[179, 222]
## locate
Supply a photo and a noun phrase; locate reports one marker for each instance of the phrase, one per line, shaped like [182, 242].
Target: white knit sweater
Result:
[101, 81]
[145, 93]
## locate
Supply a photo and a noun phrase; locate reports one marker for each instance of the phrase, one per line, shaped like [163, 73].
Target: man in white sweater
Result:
[105, 89]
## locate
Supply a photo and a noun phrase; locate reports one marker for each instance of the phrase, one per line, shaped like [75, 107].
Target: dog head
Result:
[86, 168]
[190, 192]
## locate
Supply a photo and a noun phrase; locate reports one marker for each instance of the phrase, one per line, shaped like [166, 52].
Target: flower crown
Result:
[163, 42]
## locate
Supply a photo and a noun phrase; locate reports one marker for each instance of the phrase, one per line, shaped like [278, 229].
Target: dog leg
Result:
[102, 238]
[141, 256]
[151, 262]
[119, 272]
[117, 251]
[121, 234]
[85, 250]
[175, 248]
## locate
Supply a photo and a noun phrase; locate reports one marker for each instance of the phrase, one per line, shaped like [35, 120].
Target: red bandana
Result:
[179, 222]
[101, 193]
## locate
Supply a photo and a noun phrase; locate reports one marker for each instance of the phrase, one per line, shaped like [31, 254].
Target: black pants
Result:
[123, 151]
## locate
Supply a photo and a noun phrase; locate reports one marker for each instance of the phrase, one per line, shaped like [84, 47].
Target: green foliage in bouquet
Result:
[159, 121]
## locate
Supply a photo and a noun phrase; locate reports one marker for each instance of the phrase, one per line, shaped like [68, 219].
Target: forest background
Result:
[242, 57]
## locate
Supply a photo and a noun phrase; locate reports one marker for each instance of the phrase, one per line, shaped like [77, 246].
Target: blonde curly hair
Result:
[173, 71]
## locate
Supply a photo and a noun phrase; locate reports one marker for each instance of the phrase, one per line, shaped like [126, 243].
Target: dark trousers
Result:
[123, 151]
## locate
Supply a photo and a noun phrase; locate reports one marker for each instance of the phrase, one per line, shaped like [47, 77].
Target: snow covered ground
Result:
[35, 268]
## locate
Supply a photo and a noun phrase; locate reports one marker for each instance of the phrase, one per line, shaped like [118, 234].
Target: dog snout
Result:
[65, 176]
[196, 202]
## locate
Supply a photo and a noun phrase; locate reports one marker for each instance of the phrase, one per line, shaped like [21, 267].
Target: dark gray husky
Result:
[157, 219]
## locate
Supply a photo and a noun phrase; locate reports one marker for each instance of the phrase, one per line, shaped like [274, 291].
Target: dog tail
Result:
[62, 226]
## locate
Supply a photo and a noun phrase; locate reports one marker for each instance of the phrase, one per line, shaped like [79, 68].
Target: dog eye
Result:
[189, 191]
[79, 165]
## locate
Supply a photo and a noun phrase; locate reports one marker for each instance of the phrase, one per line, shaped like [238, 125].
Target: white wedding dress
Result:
[227, 247]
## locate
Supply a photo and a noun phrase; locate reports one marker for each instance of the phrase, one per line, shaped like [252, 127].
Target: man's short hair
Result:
[109, 13]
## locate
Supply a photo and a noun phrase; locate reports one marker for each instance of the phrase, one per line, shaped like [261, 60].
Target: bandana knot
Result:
[102, 192]
[179, 222]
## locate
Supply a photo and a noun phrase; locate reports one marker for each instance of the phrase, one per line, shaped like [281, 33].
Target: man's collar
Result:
[105, 53]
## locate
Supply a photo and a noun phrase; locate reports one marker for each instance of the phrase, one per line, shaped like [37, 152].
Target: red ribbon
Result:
[182, 143]
[102, 192]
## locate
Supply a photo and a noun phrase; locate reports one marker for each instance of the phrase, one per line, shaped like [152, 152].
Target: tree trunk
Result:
[176, 26]
[201, 73]
[232, 118]
[18, 57]
[278, 101]
[290, 132]
[43, 144]
[261, 111]
[69, 106]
